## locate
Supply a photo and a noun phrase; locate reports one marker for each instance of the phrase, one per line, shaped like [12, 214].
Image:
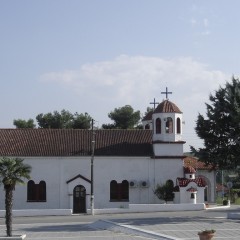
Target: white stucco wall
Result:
[57, 171]
[168, 149]
[209, 177]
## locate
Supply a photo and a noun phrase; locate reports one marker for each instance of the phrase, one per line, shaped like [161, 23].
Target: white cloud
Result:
[193, 22]
[205, 33]
[205, 22]
[136, 80]
[201, 26]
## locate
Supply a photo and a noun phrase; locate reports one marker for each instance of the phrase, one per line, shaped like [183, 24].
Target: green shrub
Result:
[225, 202]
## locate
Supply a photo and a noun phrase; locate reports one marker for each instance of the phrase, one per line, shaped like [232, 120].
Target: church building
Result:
[125, 168]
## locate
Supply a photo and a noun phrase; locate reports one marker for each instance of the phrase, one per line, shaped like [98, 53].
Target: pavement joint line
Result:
[162, 236]
[48, 224]
[116, 227]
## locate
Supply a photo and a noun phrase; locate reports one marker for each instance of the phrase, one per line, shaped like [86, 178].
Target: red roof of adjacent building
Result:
[195, 163]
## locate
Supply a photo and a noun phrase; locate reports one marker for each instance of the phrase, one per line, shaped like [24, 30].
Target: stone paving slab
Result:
[184, 226]
[131, 230]
[187, 230]
[140, 229]
[71, 231]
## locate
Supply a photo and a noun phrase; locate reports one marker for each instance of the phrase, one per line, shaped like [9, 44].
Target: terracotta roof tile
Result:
[183, 182]
[167, 107]
[193, 162]
[71, 142]
[148, 116]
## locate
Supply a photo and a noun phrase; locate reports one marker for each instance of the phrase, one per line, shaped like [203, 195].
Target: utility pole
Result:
[92, 160]
[222, 187]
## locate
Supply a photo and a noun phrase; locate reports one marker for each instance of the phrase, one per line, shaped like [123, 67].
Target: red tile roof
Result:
[183, 182]
[74, 142]
[193, 162]
[167, 107]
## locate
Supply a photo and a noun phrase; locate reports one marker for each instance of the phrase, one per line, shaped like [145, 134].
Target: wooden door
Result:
[79, 199]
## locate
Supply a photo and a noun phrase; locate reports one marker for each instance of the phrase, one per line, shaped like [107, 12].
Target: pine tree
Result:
[220, 129]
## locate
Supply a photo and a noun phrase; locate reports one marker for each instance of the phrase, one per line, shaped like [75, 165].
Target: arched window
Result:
[169, 125]
[31, 190]
[158, 125]
[36, 192]
[125, 190]
[113, 190]
[192, 195]
[42, 191]
[147, 126]
[178, 125]
[119, 192]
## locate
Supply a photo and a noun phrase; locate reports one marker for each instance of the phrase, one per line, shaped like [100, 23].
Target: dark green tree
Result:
[220, 129]
[12, 172]
[64, 119]
[20, 123]
[55, 119]
[165, 191]
[108, 126]
[123, 118]
[81, 121]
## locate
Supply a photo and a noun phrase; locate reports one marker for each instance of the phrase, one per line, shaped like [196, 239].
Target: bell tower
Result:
[167, 129]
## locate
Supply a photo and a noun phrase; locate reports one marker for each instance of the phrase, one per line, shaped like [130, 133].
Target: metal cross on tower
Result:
[154, 103]
[166, 93]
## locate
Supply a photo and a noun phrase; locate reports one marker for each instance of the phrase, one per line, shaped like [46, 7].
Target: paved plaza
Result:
[163, 226]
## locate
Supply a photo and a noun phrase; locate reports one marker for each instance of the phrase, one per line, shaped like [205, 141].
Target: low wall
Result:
[166, 207]
[39, 212]
[135, 208]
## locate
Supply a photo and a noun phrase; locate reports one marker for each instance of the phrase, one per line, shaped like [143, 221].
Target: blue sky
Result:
[93, 56]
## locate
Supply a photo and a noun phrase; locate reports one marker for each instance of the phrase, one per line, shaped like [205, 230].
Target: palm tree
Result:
[12, 172]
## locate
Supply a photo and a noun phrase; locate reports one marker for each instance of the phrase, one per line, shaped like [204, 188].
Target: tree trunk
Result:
[8, 208]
